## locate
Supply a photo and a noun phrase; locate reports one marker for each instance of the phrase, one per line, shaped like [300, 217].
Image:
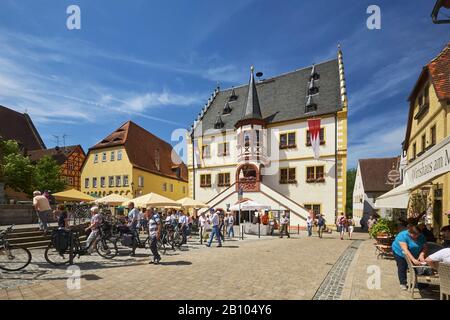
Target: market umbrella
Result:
[191, 203]
[112, 199]
[249, 205]
[154, 200]
[72, 195]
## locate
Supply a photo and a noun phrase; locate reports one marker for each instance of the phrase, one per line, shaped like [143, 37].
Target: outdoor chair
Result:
[414, 278]
[444, 276]
[383, 247]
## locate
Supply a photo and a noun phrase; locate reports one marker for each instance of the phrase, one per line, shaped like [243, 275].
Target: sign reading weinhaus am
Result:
[431, 164]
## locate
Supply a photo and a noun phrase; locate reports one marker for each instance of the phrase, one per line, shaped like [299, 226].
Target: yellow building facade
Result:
[427, 143]
[132, 162]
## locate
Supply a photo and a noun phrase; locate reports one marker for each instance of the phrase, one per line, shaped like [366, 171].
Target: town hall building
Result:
[281, 142]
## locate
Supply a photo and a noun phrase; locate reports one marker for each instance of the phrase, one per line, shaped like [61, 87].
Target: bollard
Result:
[223, 232]
[242, 232]
[259, 230]
[298, 229]
[201, 235]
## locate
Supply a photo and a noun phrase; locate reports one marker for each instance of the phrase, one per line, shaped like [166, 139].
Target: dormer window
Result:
[314, 75]
[310, 105]
[227, 109]
[313, 89]
[219, 123]
[233, 96]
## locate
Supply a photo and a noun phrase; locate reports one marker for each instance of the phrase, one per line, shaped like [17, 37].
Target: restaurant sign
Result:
[431, 164]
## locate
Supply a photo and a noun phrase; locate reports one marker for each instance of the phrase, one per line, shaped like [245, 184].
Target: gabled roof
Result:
[438, 71]
[281, 98]
[59, 154]
[141, 147]
[374, 173]
[18, 126]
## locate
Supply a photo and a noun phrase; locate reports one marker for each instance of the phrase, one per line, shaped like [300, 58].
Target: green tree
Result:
[18, 172]
[351, 177]
[47, 175]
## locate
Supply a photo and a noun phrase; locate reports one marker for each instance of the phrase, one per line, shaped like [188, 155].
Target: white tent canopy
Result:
[154, 200]
[249, 205]
[112, 199]
[191, 203]
[395, 199]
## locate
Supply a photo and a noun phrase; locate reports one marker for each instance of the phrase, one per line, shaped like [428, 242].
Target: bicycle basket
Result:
[61, 240]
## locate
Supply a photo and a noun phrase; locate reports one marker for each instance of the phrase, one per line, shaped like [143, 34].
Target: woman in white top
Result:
[350, 227]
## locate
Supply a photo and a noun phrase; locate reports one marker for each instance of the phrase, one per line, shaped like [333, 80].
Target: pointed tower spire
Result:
[252, 110]
[342, 78]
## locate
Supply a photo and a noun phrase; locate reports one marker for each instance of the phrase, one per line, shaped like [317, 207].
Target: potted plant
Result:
[383, 228]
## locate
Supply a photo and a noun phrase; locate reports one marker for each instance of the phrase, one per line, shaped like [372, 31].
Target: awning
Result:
[249, 205]
[395, 199]
[72, 195]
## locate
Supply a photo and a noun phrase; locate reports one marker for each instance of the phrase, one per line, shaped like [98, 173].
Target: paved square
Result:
[267, 268]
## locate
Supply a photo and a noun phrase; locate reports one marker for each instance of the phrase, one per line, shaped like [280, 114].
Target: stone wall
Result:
[17, 214]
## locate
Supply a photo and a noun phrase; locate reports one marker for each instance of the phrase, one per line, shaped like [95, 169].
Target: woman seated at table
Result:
[410, 242]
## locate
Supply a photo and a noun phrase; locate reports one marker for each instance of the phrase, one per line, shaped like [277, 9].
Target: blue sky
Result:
[157, 62]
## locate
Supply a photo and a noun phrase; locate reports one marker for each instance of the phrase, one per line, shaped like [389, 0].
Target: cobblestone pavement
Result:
[333, 284]
[361, 282]
[266, 268]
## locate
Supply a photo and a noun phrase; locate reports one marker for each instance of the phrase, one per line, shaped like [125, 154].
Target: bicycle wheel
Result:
[14, 258]
[106, 248]
[55, 257]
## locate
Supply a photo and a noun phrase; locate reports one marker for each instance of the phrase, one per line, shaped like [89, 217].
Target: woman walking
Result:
[350, 226]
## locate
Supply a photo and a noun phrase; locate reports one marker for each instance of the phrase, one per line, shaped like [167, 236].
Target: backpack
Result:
[61, 240]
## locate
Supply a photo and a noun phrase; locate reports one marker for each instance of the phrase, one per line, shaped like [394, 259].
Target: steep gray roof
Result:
[281, 98]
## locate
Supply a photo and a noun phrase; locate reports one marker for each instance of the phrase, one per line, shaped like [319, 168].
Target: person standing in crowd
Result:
[144, 220]
[412, 243]
[201, 224]
[133, 216]
[215, 223]
[94, 227]
[350, 226]
[310, 223]
[230, 225]
[370, 223]
[284, 223]
[320, 225]
[43, 209]
[340, 224]
[154, 232]
[221, 224]
[184, 222]
[62, 217]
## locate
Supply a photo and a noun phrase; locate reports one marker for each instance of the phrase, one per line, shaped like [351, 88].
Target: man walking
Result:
[184, 221]
[43, 209]
[214, 220]
[154, 232]
[309, 223]
[284, 221]
[320, 225]
[96, 221]
[230, 226]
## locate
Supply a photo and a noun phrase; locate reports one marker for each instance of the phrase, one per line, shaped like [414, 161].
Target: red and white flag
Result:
[314, 136]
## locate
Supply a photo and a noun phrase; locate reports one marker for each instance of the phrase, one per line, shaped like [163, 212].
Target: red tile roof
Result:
[141, 147]
[18, 126]
[374, 173]
[60, 154]
[440, 73]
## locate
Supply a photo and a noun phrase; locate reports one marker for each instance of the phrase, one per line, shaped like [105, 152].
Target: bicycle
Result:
[12, 258]
[104, 246]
